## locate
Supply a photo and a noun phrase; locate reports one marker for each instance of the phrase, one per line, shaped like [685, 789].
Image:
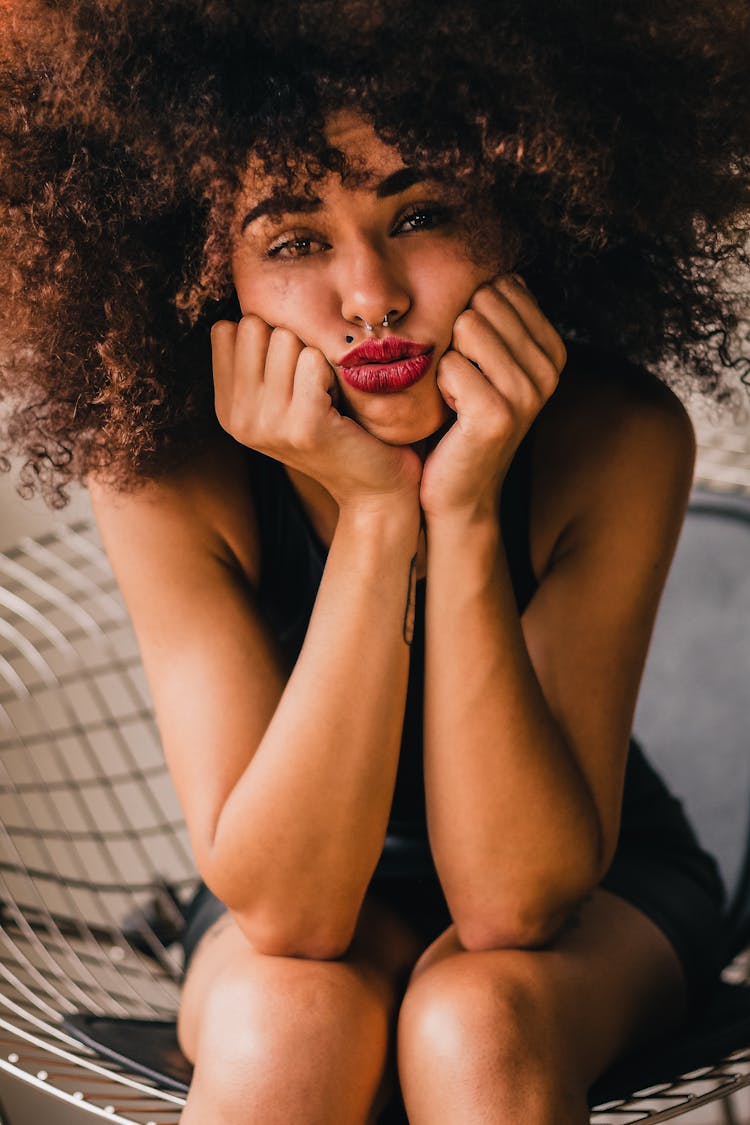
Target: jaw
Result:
[403, 418]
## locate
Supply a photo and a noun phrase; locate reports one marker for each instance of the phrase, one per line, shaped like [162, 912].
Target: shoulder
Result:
[613, 446]
[203, 508]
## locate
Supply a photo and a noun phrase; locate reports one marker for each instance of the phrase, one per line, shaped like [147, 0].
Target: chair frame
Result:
[66, 626]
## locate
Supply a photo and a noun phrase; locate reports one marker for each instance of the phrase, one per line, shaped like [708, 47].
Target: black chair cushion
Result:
[723, 1027]
[149, 1047]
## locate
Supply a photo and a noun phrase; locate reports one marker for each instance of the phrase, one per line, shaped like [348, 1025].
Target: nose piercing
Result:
[385, 322]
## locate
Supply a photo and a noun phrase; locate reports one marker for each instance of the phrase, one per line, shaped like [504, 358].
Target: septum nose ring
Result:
[385, 322]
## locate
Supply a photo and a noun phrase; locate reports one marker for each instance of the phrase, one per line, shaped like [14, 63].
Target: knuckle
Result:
[312, 358]
[466, 325]
[549, 374]
[264, 424]
[530, 397]
[223, 334]
[253, 334]
[468, 319]
[312, 366]
[484, 297]
[249, 323]
[508, 282]
[450, 363]
[284, 336]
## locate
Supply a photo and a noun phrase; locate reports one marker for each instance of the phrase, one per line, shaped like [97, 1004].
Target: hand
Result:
[274, 394]
[503, 365]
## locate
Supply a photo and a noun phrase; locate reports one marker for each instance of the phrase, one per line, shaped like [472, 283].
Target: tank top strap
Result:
[515, 522]
[293, 558]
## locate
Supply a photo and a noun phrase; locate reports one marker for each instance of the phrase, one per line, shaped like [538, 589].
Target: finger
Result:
[284, 350]
[518, 294]
[476, 338]
[518, 335]
[223, 336]
[467, 392]
[314, 384]
[251, 346]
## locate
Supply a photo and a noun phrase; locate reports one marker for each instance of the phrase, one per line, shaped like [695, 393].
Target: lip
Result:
[385, 366]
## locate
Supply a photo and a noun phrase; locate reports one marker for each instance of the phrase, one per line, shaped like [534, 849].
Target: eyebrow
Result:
[284, 202]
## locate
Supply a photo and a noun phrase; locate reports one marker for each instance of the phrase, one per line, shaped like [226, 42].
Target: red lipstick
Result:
[385, 366]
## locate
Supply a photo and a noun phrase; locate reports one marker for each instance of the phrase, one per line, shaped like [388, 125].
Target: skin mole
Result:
[353, 320]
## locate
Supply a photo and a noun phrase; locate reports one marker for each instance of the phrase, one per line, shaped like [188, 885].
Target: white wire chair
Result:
[95, 865]
[94, 854]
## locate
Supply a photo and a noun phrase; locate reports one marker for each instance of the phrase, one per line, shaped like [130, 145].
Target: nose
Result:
[370, 289]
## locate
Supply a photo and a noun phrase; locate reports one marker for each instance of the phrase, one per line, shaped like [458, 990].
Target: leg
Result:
[280, 1039]
[512, 1035]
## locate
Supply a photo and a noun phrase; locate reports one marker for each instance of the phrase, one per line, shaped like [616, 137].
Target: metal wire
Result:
[82, 845]
[665, 1102]
[90, 826]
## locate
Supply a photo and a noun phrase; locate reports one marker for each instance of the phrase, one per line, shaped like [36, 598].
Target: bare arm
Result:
[527, 723]
[286, 786]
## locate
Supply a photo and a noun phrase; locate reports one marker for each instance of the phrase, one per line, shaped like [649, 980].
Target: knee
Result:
[479, 1039]
[295, 1025]
[287, 1006]
[466, 1019]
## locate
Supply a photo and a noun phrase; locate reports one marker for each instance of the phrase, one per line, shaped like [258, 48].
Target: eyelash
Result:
[435, 214]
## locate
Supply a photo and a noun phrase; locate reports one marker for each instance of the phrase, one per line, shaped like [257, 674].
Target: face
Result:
[394, 245]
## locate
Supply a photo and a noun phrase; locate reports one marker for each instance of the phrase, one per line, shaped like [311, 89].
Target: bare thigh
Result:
[374, 971]
[384, 951]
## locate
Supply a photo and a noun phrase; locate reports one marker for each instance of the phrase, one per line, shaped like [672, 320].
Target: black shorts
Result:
[679, 903]
[659, 867]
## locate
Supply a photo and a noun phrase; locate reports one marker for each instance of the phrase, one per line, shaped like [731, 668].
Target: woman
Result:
[393, 569]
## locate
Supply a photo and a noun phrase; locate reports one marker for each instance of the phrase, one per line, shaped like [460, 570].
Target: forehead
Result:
[354, 135]
[367, 159]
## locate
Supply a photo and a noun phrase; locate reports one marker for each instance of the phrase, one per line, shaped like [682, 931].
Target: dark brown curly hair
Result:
[613, 138]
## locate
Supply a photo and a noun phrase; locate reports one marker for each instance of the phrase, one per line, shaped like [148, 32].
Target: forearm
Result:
[301, 831]
[513, 826]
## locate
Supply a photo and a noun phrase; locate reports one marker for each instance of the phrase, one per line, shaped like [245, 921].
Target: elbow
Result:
[285, 938]
[514, 928]
[311, 939]
[524, 921]
[304, 948]
[279, 931]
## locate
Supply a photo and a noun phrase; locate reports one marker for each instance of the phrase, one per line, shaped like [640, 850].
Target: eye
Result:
[422, 216]
[291, 246]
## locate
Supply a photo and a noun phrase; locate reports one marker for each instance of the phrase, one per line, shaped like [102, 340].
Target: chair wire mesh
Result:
[91, 834]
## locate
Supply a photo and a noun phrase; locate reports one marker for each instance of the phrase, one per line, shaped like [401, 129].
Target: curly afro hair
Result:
[613, 138]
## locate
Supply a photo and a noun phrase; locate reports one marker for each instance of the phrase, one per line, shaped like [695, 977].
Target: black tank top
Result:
[292, 562]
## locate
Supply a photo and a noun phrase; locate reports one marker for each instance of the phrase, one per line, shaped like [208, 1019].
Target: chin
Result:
[403, 419]
[406, 430]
